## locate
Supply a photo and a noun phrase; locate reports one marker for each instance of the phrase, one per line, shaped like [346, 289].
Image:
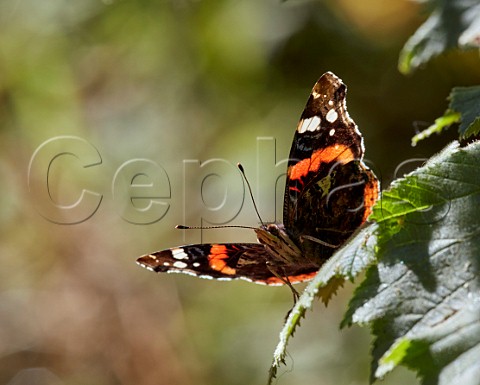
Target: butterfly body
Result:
[329, 193]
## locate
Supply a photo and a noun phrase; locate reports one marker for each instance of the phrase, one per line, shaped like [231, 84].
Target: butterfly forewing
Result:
[326, 177]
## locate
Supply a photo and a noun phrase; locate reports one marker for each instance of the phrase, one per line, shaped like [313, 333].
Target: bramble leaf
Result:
[464, 108]
[443, 122]
[422, 298]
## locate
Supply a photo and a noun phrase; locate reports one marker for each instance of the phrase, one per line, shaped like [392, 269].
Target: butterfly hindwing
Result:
[225, 261]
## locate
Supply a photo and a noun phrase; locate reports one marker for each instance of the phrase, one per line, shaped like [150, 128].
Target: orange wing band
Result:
[339, 152]
[216, 260]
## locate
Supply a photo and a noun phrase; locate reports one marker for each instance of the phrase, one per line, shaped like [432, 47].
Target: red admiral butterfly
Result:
[329, 193]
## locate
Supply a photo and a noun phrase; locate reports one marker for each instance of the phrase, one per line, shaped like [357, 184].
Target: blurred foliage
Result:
[451, 24]
[169, 81]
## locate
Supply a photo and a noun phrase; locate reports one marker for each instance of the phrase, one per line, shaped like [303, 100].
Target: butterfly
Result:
[329, 193]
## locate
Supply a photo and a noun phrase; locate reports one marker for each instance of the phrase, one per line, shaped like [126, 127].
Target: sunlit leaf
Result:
[464, 108]
[422, 299]
[450, 117]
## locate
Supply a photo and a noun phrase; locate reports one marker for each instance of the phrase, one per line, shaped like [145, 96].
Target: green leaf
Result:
[346, 263]
[422, 298]
[464, 108]
[450, 117]
[452, 23]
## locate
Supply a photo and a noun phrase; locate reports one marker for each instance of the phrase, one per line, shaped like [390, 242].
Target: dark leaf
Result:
[452, 23]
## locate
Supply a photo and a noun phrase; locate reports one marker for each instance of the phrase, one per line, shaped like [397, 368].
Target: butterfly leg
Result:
[319, 241]
[295, 293]
[286, 281]
[296, 296]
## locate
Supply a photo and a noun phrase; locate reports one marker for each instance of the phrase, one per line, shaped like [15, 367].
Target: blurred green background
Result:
[170, 81]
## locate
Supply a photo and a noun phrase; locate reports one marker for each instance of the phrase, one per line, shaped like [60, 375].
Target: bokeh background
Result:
[169, 81]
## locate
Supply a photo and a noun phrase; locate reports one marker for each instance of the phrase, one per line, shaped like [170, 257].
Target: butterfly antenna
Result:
[183, 227]
[240, 167]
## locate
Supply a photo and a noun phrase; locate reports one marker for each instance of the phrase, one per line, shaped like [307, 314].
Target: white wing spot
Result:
[179, 254]
[330, 103]
[166, 263]
[331, 132]
[180, 265]
[196, 264]
[311, 124]
[332, 115]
